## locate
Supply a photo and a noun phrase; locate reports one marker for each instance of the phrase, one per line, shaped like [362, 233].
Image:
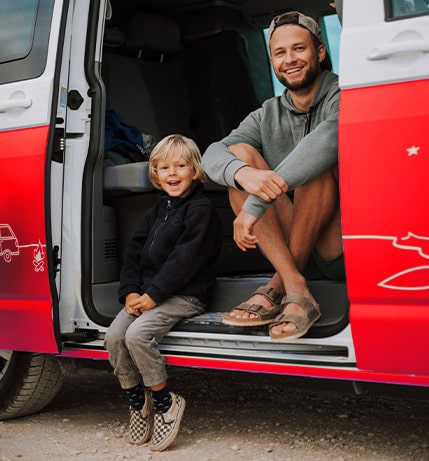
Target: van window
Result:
[17, 22]
[331, 30]
[24, 36]
[397, 9]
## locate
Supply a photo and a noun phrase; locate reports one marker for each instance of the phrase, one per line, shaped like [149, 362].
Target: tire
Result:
[28, 382]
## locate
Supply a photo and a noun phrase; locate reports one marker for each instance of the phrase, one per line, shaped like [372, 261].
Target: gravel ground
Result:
[229, 416]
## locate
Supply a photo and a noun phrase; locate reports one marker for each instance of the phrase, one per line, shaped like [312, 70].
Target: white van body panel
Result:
[375, 51]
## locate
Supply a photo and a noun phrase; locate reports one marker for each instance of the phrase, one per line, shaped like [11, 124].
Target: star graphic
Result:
[413, 151]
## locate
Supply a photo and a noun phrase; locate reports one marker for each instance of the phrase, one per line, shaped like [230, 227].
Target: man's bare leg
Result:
[320, 230]
[316, 219]
[273, 233]
[309, 226]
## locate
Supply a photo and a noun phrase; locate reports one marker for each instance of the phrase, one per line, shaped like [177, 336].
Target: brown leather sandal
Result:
[302, 322]
[266, 315]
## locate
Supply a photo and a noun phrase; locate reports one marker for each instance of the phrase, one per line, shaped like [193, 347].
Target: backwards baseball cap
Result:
[294, 17]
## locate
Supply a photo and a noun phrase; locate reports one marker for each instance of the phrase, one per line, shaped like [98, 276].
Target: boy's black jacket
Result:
[174, 249]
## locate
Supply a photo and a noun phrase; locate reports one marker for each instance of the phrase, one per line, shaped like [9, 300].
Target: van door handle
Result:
[23, 103]
[392, 49]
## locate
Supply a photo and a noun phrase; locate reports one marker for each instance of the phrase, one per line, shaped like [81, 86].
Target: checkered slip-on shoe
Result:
[166, 425]
[141, 422]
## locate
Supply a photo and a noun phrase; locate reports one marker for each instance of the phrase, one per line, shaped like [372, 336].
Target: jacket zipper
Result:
[167, 214]
[168, 209]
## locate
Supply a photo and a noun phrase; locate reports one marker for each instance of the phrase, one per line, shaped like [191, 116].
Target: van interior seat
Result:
[126, 90]
[129, 178]
[157, 42]
[222, 91]
[147, 88]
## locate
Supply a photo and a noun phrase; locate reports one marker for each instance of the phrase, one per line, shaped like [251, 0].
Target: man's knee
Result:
[329, 176]
[326, 181]
[245, 152]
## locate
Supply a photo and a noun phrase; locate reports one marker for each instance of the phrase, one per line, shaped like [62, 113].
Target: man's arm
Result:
[316, 153]
[220, 164]
[244, 237]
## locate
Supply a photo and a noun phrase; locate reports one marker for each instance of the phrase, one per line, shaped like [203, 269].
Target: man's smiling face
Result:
[294, 57]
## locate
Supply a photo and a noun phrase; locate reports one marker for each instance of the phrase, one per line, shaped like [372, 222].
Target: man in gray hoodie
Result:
[289, 145]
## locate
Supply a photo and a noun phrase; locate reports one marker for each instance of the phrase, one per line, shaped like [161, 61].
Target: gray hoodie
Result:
[298, 146]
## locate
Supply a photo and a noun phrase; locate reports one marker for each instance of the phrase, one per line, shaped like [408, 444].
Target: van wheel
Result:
[28, 382]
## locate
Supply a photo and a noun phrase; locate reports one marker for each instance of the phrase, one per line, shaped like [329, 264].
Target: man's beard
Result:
[309, 78]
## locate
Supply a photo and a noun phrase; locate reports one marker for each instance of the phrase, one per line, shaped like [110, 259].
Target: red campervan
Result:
[68, 207]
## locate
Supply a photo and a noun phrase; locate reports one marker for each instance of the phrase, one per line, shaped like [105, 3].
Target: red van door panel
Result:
[386, 224]
[27, 93]
[384, 160]
[26, 321]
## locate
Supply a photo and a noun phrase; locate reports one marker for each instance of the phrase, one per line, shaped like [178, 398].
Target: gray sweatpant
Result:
[133, 341]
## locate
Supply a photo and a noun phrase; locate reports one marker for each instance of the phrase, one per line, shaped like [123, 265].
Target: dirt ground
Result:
[229, 416]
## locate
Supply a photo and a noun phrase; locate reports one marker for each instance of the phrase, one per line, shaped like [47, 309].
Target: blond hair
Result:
[186, 147]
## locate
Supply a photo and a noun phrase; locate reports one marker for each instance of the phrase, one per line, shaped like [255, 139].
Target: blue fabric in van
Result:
[126, 139]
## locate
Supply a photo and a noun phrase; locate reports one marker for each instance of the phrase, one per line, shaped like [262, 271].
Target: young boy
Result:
[168, 275]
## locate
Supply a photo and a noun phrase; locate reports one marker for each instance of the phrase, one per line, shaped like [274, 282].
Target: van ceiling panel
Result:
[261, 13]
[257, 12]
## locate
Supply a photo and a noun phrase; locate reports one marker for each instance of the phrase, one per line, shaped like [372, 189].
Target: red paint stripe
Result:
[340, 373]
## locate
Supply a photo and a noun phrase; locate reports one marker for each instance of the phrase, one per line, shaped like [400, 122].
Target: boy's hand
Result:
[128, 299]
[137, 305]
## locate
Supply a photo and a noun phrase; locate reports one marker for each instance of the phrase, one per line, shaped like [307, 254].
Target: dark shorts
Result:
[318, 268]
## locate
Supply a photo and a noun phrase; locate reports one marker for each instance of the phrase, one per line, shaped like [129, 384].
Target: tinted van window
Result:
[397, 9]
[24, 36]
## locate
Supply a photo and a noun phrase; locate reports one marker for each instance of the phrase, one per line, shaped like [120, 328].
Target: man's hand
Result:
[136, 304]
[243, 231]
[266, 184]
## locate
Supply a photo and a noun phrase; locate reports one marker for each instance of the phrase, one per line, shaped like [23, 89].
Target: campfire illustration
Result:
[9, 247]
[39, 258]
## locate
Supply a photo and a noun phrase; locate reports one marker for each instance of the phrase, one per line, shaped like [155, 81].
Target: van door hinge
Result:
[59, 146]
[56, 259]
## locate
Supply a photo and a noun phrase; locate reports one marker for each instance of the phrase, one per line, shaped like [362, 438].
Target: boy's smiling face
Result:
[175, 174]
